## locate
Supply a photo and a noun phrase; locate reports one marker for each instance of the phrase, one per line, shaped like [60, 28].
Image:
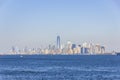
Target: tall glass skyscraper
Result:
[58, 42]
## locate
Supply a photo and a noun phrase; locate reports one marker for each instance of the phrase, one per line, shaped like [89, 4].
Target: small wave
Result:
[96, 69]
[15, 71]
[57, 68]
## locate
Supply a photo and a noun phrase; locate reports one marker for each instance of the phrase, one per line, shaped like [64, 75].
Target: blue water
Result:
[48, 67]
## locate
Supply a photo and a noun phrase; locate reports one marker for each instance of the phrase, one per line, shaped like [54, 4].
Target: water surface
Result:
[60, 67]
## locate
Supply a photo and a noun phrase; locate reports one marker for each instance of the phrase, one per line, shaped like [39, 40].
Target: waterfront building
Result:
[25, 50]
[13, 50]
[102, 49]
[73, 46]
[97, 49]
[46, 51]
[82, 50]
[69, 45]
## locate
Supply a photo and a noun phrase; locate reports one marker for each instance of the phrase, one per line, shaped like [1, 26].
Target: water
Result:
[74, 67]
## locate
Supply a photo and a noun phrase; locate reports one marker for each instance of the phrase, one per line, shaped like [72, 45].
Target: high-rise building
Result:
[58, 42]
[73, 46]
[97, 49]
[13, 50]
[102, 49]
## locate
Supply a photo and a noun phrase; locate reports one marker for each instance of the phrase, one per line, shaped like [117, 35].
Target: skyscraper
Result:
[58, 42]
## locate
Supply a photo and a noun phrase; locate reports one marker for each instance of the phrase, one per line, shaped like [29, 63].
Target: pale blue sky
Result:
[37, 22]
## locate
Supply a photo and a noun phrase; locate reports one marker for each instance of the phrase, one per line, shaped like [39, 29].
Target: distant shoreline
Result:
[56, 54]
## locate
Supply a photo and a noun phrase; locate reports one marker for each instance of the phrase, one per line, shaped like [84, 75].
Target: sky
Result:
[35, 23]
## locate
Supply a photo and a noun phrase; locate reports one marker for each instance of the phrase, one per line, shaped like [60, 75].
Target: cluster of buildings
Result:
[68, 49]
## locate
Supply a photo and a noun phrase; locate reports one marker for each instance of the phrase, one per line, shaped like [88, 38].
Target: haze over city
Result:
[37, 23]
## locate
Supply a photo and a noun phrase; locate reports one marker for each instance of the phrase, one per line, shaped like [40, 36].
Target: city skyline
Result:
[68, 48]
[57, 44]
[36, 23]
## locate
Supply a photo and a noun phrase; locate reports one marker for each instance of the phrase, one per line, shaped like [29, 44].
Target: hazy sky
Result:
[34, 23]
